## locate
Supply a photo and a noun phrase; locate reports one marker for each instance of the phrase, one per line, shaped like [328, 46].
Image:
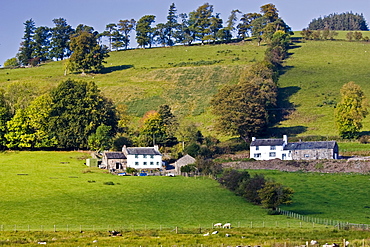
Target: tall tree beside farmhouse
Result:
[41, 43]
[171, 25]
[170, 124]
[243, 109]
[78, 109]
[60, 34]
[87, 53]
[125, 27]
[26, 49]
[351, 110]
[152, 130]
[144, 31]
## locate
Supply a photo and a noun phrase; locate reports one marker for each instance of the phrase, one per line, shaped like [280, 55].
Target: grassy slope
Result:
[145, 79]
[316, 70]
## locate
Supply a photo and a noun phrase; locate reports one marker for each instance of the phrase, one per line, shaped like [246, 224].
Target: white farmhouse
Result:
[143, 157]
[268, 149]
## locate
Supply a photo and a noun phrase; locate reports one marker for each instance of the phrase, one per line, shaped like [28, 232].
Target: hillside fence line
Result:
[336, 223]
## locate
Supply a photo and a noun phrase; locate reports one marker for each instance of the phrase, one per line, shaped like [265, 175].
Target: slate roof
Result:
[143, 151]
[185, 160]
[267, 142]
[115, 155]
[310, 145]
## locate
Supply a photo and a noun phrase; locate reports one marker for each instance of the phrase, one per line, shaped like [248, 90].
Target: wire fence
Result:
[336, 223]
[177, 229]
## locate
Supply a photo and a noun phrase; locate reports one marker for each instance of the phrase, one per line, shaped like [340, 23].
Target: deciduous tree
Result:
[274, 194]
[87, 53]
[351, 110]
[144, 31]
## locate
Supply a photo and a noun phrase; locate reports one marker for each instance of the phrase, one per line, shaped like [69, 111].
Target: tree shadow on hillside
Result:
[111, 69]
[284, 106]
[278, 132]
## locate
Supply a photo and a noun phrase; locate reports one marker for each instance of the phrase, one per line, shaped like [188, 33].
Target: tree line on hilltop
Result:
[83, 45]
[345, 21]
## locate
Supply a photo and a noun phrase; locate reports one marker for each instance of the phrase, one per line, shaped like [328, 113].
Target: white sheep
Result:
[227, 225]
[217, 225]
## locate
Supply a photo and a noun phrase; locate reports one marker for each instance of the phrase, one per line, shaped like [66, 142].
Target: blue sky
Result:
[98, 13]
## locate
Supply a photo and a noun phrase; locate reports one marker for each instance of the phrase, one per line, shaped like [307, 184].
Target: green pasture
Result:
[310, 84]
[267, 237]
[55, 190]
[339, 197]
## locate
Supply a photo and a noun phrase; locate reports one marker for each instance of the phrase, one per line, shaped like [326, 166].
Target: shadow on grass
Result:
[111, 69]
[278, 132]
[306, 212]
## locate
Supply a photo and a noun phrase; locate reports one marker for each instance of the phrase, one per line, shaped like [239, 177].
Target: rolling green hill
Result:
[186, 78]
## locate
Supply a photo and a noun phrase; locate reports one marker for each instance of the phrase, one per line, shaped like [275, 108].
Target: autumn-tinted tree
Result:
[78, 109]
[87, 53]
[60, 34]
[26, 49]
[152, 130]
[144, 31]
[351, 110]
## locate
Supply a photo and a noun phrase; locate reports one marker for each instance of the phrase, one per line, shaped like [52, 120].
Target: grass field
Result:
[56, 188]
[343, 197]
[267, 237]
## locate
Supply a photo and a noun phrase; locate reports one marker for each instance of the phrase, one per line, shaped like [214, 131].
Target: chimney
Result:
[285, 139]
[123, 148]
[156, 147]
[253, 139]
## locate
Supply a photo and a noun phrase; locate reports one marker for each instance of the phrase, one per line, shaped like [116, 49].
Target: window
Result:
[157, 163]
[272, 148]
[145, 163]
[257, 155]
[136, 156]
[152, 156]
[272, 154]
[144, 156]
[306, 155]
[257, 148]
[136, 163]
[151, 163]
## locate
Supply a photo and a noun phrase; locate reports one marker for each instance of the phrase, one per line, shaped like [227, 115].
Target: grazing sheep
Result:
[227, 225]
[330, 245]
[313, 242]
[217, 225]
[207, 234]
[215, 232]
[227, 235]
